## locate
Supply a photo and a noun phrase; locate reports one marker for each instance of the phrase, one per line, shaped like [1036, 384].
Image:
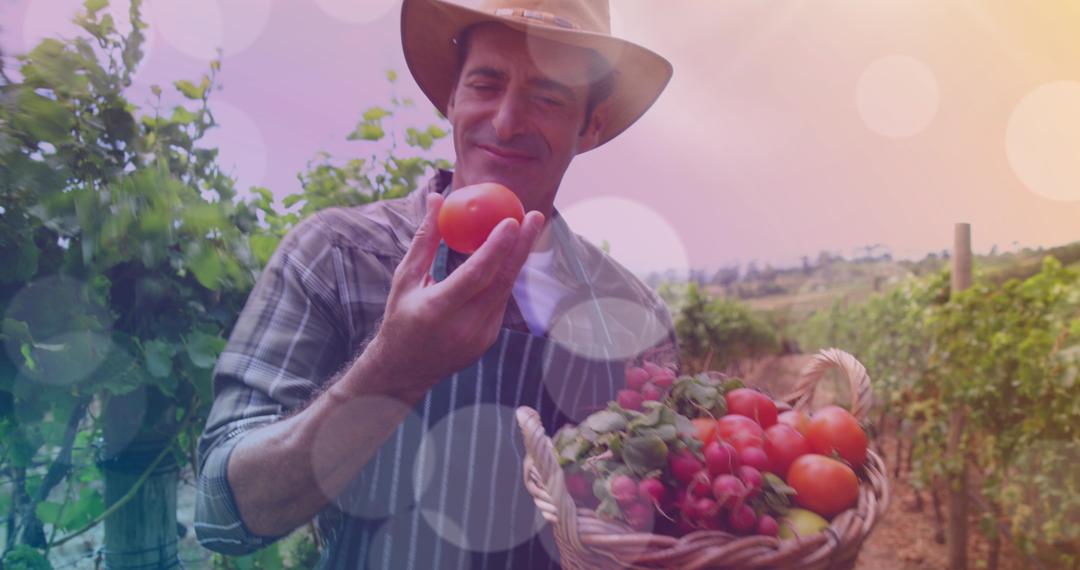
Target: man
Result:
[369, 382]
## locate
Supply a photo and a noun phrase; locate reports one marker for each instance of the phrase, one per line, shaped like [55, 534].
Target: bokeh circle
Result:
[1042, 140]
[376, 492]
[474, 497]
[897, 96]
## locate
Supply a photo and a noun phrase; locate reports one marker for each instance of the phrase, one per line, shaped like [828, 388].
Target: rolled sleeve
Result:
[288, 341]
[218, 524]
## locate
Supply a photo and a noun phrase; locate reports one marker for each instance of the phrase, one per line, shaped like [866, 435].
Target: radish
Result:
[728, 490]
[650, 392]
[624, 490]
[742, 519]
[636, 377]
[578, 487]
[629, 400]
[684, 466]
[652, 491]
[752, 479]
[721, 458]
[754, 457]
[638, 516]
[767, 526]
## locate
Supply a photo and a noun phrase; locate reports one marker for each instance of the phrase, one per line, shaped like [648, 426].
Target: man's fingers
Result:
[478, 271]
[425, 243]
[531, 227]
[493, 298]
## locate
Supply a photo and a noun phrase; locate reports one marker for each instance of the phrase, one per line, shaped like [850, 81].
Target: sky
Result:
[789, 127]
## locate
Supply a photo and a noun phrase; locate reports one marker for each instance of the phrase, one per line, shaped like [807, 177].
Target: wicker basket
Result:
[587, 542]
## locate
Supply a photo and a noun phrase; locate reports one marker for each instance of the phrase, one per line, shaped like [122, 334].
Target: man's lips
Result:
[503, 154]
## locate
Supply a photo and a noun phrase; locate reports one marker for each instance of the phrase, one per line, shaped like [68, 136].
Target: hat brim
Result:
[428, 28]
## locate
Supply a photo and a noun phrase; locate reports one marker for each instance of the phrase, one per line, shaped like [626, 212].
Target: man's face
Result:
[517, 113]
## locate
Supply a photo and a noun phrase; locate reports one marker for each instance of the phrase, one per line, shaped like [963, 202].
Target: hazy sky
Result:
[789, 126]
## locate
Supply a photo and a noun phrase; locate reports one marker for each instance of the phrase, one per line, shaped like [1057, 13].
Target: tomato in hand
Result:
[834, 429]
[784, 444]
[752, 404]
[823, 485]
[740, 431]
[469, 214]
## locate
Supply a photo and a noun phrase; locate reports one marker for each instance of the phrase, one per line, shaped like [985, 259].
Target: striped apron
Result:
[446, 490]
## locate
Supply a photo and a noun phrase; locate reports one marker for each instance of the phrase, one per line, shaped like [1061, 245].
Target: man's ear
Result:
[590, 136]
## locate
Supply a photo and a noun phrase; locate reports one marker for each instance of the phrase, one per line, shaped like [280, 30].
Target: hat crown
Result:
[585, 15]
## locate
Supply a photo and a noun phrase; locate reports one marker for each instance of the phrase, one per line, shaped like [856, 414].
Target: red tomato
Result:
[469, 214]
[823, 485]
[740, 431]
[784, 444]
[834, 429]
[752, 404]
[706, 429]
[796, 419]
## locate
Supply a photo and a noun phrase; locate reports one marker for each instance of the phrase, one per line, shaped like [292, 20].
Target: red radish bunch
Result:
[646, 383]
[705, 453]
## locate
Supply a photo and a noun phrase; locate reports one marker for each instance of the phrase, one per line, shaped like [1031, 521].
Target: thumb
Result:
[425, 243]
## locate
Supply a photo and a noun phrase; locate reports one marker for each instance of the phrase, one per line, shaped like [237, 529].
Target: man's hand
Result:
[429, 329]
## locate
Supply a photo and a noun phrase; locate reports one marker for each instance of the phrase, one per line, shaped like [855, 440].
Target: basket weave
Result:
[587, 542]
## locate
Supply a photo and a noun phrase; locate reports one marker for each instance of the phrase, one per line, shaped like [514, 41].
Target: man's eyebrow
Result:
[537, 82]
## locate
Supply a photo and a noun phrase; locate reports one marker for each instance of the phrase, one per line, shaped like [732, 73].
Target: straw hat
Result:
[429, 27]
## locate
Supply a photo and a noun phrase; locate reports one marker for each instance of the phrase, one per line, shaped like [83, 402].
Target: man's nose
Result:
[510, 116]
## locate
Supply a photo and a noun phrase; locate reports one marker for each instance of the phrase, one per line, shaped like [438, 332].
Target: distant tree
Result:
[719, 334]
[726, 276]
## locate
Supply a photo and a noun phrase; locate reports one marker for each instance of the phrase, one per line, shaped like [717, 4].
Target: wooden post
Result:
[142, 533]
[958, 483]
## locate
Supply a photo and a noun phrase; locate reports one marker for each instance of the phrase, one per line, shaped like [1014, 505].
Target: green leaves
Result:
[25, 557]
[203, 349]
[263, 246]
[604, 421]
[42, 118]
[126, 202]
[368, 132]
[718, 333]
[192, 91]
[702, 394]
[375, 113]
[73, 515]
[424, 139]
[646, 453]
[1002, 351]
[93, 6]
[159, 355]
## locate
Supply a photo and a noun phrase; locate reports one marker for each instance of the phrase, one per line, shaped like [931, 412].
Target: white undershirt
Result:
[537, 291]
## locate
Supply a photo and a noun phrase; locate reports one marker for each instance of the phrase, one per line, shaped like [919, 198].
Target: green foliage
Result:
[1008, 355]
[125, 256]
[122, 241]
[719, 333]
[23, 557]
[298, 550]
[376, 176]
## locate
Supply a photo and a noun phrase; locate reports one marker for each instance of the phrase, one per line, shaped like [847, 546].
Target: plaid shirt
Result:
[319, 301]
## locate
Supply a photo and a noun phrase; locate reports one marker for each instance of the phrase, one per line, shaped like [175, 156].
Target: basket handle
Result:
[541, 451]
[862, 396]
